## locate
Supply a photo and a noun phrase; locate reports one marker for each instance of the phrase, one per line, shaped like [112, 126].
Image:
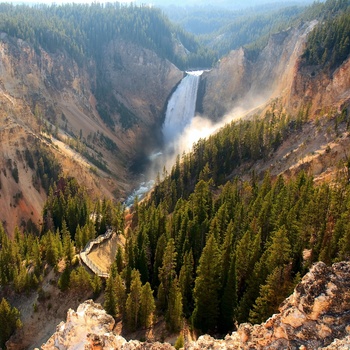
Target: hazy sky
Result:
[63, 1]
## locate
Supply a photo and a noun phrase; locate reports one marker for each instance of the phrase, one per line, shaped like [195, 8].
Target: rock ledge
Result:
[315, 316]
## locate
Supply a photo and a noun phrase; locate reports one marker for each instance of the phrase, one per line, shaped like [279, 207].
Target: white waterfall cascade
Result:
[180, 110]
[179, 114]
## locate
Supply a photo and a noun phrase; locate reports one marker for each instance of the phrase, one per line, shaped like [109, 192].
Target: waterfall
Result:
[180, 110]
[179, 114]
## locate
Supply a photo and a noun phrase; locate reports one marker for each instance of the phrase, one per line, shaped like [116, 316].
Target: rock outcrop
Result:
[90, 328]
[243, 82]
[322, 91]
[315, 316]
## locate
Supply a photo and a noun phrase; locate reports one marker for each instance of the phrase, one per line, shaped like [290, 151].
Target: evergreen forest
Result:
[83, 30]
[206, 248]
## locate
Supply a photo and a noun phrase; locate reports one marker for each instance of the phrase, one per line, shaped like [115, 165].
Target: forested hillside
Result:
[84, 30]
[219, 239]
[204, 246]
[226, 30]
[329, 44]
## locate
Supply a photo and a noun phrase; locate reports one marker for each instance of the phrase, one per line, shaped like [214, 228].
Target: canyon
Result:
[51, 111]
[43, 91]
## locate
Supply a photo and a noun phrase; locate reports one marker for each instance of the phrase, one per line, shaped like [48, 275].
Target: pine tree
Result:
[186, 282]
[9, 321]
[80, 280]
[174, 312]
[207, 287]
[158, 259]
[64, 280]
[119, 259]
[52, 249]
[229, 299]
[167, 271]
[279, 252]
[96, 285]
[147, 306]
[120, 293]
[132, 308]
[278, 285]
[110, 304]
[68, 246]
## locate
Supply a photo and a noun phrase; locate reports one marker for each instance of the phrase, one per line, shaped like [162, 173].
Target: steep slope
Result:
[314, 316]
[279, 78]
[243, 83]
[49, 100]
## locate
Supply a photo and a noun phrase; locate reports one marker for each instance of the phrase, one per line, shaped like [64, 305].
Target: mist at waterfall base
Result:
[179, 114]
[181, 130]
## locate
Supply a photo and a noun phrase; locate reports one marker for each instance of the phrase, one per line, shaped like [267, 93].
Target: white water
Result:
[179, 114]
[180, 110]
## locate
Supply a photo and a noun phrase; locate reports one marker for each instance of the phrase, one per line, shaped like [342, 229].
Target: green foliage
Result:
[174, 311]
[83, 30]
[328, 45]
[186, 282]
[47, 168]
[147, 306]
[224, 30]
[278, 285]
[110, 304]
[9, 320]
[167, 271]
[64, 280]
[245, 238]
[133, 302]
[207, 287]
[180, 342]
[68, 202]
[96, 284]
[80, 280]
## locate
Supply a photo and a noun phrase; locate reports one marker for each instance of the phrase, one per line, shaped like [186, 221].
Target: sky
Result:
[64, 1]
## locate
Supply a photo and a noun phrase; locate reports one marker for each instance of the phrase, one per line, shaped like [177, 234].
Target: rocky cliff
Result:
[49, 100]
[246, 82]
[315, 316]
[242, 82]
[322, 91]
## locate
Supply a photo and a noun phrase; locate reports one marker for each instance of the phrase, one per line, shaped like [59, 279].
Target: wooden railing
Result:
[89, 245]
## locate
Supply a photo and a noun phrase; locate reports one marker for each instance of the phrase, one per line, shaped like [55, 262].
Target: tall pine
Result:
[207, 287]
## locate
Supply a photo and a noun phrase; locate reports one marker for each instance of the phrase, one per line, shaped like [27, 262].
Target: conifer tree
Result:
[158, 259]
[147, 306]
[119, 259]
[96, 285]
[167, 271]
[9, 321]
[207, 287]
[63, 282]
[278, 285]
[120, 293]
[110, 304]
[80, 280]
[132, 308]
[228, 300]
[174, 312]
[279, 252]
[68, 246]
[52, 249]
[186, 282]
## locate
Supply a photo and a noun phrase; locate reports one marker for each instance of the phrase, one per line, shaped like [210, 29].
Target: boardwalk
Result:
[84, 253]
